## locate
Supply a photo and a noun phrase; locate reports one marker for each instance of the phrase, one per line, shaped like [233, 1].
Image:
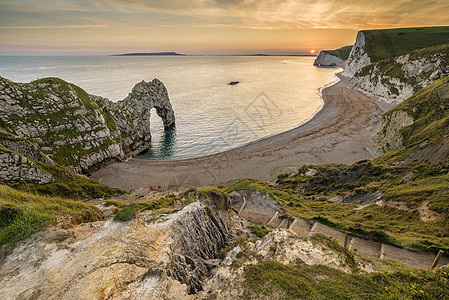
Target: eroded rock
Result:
[52, 121]
[150, 257]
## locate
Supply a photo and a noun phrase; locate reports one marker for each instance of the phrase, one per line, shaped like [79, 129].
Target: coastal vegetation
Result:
[342, 52]
[68, 185]
[412, 209]
[164, 205]
[22, 213]
[430, 129]
[388, 43]
[391, 68]
[300, 281]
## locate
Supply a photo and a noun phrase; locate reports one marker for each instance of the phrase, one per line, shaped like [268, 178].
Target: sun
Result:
[312, 51]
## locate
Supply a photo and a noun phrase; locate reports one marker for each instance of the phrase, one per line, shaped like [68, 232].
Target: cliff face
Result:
[358, 57]
[396, 79]
[326, 59]
[333, 58]
[376, 45]
[386, 133]
[68, 127]
[392, 64]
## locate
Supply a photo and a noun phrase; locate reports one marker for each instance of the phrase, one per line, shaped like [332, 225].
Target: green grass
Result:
[209, 191]
[433, 189]
[259, 231]
[342, 52]
[309, 198]
[66, 185]
[271, 279]
[387, 43]
[429, 110]
[50, 80]
[69, 185]
[164, 205]
[22, 214]
[390, 68]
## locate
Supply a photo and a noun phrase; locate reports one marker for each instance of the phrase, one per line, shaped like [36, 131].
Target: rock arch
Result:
[148, 95]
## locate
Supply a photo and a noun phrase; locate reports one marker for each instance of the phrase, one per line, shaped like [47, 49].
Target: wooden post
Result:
[437, 259]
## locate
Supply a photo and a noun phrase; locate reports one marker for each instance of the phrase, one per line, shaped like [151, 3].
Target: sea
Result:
[274, 94]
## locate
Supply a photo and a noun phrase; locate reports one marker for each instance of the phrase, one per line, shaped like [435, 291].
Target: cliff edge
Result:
[333, 58]
[393, 64]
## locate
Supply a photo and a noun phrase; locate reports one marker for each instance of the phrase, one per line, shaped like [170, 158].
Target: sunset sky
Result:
[52, 27]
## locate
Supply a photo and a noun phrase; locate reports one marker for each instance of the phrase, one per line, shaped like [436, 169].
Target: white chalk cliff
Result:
[358, 58]
[326, 59]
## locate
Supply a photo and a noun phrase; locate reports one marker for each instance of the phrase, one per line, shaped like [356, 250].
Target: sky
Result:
[97, 27]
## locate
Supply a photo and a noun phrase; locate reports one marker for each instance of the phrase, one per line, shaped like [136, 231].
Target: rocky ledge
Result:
[63, 125]
[151, 257]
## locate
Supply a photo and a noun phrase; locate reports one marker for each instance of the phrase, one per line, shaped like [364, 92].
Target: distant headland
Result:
[150, 54]
[178, 54]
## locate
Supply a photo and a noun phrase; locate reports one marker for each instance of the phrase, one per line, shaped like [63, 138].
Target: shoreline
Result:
[320, 90]
[337, 133]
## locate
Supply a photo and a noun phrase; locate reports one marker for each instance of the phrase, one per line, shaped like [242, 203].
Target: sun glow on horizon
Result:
[49, 27]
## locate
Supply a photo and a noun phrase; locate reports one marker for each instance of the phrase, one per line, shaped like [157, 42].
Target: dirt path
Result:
[337, 134]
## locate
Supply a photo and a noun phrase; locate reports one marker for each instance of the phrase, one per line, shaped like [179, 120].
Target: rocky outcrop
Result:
[417, 126]
[15, 169]
[76, 130]
[150, 257]
[191, 260]
[327, 59]
[396, 79]
[386, 133]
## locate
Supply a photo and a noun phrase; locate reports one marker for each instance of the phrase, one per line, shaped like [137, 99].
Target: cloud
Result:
[300, 14]
[255, 14]
[53, 27]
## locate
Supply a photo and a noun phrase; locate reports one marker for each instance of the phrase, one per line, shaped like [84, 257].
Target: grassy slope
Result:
[22, 213]
[311, 198]
[300, 281]
[342, 52]
[69, 185]
[429, 108]
[28, 208]
[387, 43]
[66, 185]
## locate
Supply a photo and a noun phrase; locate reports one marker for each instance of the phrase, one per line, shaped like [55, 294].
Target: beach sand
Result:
[337, 134]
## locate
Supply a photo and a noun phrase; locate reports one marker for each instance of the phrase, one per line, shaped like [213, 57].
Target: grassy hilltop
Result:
[342, 52]
[386, 43]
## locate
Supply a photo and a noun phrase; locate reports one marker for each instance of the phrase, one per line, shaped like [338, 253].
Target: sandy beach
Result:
[337, 134]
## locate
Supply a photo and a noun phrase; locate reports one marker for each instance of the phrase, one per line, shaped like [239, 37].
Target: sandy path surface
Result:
[339, 133]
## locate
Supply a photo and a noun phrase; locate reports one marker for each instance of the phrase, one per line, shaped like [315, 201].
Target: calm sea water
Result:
[275, 94]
